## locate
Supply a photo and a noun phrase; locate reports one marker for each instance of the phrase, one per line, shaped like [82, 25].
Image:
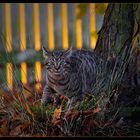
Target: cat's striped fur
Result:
[71, 73]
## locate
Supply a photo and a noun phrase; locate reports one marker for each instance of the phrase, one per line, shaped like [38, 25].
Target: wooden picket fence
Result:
[50, 35]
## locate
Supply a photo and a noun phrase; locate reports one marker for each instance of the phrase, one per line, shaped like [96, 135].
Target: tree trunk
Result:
[119, 40]
[117, 30]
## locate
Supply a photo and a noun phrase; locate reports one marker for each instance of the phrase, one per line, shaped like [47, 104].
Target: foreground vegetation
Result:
[21, 114]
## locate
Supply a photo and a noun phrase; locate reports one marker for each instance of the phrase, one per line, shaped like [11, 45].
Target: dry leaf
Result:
[76, 114]
[56, 115]
[16, 131]
[72, 115]
[97, 109]
[3, 131]
[92, 111]
[3, 127]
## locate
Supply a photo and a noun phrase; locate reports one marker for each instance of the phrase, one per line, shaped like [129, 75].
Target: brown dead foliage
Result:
[88, 120]
[16, 125]
[26, 121]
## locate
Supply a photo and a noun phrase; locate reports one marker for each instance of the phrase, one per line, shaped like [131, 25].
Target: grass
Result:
[21, 114]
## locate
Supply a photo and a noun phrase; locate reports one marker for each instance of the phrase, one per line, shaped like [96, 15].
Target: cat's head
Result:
[57, 62]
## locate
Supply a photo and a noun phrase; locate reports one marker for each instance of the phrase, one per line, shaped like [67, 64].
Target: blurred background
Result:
[24, 28]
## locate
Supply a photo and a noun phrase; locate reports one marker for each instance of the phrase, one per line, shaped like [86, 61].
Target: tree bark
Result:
[117, 30]
[119, 40]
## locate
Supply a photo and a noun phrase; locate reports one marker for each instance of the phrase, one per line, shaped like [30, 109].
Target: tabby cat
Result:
[71, 73]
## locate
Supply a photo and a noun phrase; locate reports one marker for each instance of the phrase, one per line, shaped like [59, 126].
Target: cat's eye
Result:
[47, 64]
[53, 59]
[64, 63]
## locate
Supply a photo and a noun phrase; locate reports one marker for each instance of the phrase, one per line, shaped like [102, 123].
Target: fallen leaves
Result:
[26, 117]
[71, 117]
[16, 131]
[22, 115]
[19, 128]
[56, 115]
[13, 125]
[3, 127]
[15, 111]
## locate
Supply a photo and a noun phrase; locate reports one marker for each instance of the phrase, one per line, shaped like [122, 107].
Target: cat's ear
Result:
[68, 52]
[46, 53]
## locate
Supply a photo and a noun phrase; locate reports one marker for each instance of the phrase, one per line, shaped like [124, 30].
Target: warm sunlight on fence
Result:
[8, 25]
[36, 25]
[8, 43]
[64, 26]
[50, 26]
[50, 32]
[38, 75]
[9, 75]
[22, 37]
[92, 25]
[78, 28]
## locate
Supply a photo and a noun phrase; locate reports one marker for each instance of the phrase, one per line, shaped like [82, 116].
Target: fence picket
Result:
[22, 36]
[50, 26]
[78, 28]
[92, 25]
[64, 26]
[50, 15]
[8, 43]
[36, 30]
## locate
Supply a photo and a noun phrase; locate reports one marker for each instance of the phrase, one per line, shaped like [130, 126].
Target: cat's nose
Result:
[57, 67]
